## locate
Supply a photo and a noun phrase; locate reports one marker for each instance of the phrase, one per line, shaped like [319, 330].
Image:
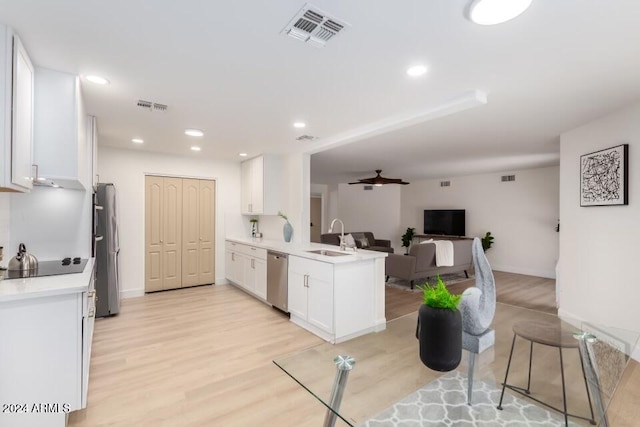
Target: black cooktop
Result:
[50, 268]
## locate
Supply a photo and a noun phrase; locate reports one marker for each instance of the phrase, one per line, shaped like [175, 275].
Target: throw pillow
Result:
[363, 242]
[349, 241]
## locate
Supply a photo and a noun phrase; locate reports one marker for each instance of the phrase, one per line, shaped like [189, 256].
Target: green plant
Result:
[487, 241]
[438, 296]
[407, 238]
[283, 216]
[253, 220]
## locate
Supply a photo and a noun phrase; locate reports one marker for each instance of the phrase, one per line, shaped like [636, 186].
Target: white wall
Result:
[5, 218]
[522, 215]
[376, 210]
[53, 223]
[322, 190]
[127, 168]
[598, 274]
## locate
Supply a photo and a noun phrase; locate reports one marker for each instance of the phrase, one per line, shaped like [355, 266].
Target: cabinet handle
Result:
[37, 174]
[253, 265]
[233, 256]
[253, 249]
[161, 241]
[306, 280]
[250, 207]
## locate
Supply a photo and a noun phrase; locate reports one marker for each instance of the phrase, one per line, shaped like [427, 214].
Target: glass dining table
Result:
[379, 380]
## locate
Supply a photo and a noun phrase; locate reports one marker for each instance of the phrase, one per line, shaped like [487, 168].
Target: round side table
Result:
[549, 333]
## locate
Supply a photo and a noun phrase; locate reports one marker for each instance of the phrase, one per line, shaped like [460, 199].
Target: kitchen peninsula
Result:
[335, 297]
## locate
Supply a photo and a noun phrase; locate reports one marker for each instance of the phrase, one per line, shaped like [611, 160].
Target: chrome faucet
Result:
[342, 245]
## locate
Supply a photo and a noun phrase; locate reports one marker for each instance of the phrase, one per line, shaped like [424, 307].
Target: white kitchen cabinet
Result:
[311, 292]
[46, 349]
[16, 114]
[246, 266]
[92, 143]
[261, 185]
[256, 276]
[61, 149]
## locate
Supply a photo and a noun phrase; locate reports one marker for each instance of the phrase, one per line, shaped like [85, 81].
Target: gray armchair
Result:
[478, 306]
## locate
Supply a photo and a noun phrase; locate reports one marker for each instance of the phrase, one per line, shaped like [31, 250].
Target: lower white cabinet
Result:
[246, 266]
[45, 356]
[311, 292]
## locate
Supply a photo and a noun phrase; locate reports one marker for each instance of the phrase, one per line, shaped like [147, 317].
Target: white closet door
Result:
[207, 232]
[172, 233]
[153, 233]
[190, 232]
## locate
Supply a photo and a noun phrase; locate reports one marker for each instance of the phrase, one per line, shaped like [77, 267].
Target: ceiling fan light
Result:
[492, 12]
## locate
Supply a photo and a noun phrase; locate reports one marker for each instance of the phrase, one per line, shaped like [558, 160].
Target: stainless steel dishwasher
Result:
[278, 280]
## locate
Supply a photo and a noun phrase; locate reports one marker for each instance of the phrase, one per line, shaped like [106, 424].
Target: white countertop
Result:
[300, 249]
[35, 287]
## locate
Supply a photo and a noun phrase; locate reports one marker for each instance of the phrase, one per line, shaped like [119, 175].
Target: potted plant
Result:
[439, 329]
[287, 229]
[407, 238]
[487, 241]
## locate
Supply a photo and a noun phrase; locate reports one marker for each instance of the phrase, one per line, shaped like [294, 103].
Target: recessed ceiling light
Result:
[299, 125]
[492, 12]
[193, 132]
[195, 148]
[97, 80]
[242, 154]
[137, 140]
[416, 70]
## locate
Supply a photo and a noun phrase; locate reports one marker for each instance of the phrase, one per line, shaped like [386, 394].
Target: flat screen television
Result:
[448, 222]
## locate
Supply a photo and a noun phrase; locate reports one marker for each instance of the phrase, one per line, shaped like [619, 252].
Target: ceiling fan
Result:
[379, 180]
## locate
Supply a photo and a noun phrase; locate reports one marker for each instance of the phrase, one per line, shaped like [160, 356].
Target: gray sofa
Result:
[372, 243]
[421, 261]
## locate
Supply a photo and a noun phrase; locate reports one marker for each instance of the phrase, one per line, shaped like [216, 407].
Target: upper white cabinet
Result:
[61, 150]
[16, 114]
[92, 143]
[261, 185]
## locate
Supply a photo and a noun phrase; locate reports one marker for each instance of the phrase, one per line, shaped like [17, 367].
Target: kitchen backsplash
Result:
[5, 220]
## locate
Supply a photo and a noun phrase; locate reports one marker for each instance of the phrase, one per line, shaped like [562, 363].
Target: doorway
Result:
[316, 218]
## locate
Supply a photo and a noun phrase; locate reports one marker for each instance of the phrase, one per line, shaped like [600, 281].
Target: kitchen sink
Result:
[327, 253]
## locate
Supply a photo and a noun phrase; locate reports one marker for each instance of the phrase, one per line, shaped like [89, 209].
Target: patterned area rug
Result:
[444, 403]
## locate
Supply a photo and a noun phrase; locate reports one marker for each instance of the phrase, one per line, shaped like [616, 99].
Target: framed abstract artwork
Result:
[604, 177]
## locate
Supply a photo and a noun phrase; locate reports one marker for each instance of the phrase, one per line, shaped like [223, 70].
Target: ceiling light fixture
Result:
[492, 12]
[137, 141]
[242, 154]
[416, 71]
[299, 125]
[379, 181]
[195, 148]
[97, 80]
[193, 132]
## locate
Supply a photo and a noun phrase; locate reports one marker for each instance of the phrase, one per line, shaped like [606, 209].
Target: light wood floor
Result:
[203, 357]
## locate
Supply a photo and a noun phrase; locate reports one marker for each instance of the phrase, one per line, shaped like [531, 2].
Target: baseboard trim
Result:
[221, 281]
[547, 274]
[132, 293]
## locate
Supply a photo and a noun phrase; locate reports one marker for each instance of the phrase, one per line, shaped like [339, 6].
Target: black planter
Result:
[440, 334]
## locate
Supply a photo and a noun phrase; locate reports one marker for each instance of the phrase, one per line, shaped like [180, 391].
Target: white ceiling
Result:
[223, 67]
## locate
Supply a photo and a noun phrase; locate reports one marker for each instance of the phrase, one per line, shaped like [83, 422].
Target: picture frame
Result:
[604, 177]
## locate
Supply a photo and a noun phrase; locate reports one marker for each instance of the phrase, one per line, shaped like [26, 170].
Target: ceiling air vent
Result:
[445, 183]
[313, 26]
[508, 178]
[307, 138]
[151, 106]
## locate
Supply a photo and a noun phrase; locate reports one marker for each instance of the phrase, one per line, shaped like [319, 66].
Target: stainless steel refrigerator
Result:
[107, 248]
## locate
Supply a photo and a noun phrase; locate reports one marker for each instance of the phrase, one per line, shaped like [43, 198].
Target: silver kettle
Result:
[23, 261]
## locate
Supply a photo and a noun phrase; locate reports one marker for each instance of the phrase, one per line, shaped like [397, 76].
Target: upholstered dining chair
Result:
[478, 307]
